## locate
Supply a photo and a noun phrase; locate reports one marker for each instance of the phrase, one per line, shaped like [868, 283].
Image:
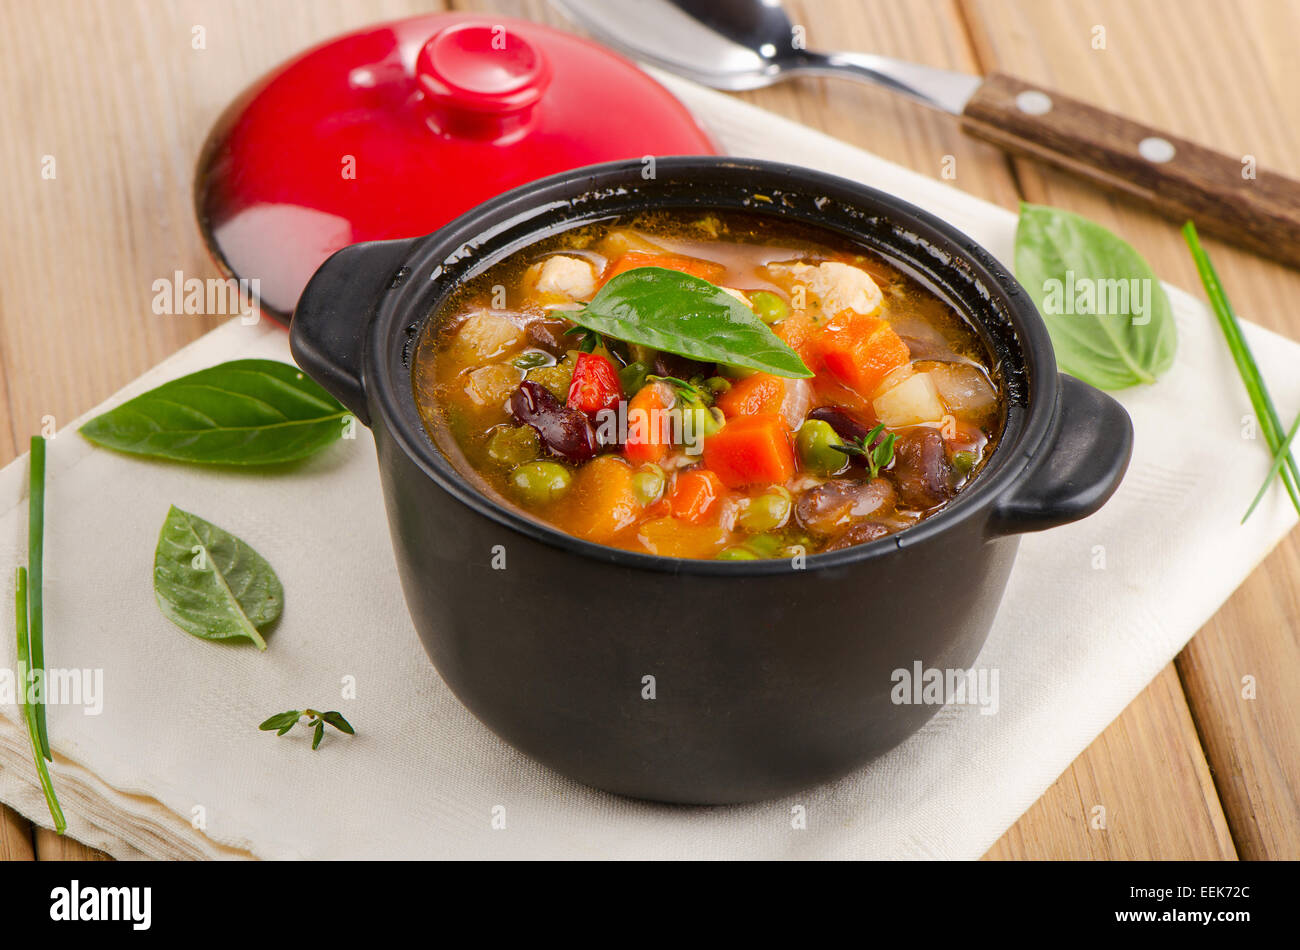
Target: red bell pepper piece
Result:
[595, 384]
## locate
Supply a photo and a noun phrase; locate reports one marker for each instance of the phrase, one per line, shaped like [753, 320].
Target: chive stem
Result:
[1269, 421]
[35, 567]
[28, 710]
[1279, 457]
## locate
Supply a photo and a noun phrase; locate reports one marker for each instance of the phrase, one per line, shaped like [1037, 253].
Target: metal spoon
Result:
[748, 44]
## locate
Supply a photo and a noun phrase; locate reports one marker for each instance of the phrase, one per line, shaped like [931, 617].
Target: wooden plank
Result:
[1129, 754]
[1116, 802]
[15, 837]
[52, 847]
[1223, 74]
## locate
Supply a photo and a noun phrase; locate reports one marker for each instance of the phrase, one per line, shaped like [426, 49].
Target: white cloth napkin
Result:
[175, 766]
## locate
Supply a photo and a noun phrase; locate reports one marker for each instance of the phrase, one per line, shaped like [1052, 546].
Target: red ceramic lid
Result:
[395, 130]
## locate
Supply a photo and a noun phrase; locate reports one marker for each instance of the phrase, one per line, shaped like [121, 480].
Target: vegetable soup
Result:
[708, 386]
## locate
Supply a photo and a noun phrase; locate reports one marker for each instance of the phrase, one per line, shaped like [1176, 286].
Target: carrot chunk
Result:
[695, 495]
[649, 431]
[749, 450]
[798, 332]
[760, 393]
[860, 351]
[706, 270]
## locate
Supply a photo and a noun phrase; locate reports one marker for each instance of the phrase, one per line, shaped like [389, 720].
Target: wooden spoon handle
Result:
[1223, 194]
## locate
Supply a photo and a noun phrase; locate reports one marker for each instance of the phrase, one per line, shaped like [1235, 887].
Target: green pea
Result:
[539, 483]
[815, 441]
[736, 554]
[764, 545]
[766, 512]
[513, 445]
[769, 307]
[648, 484]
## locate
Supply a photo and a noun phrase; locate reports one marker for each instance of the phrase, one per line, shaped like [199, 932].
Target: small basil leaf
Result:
[682, 314]
[338, 722]
[1109, 318]
[210, 583]
[245, 412]
[317, 735]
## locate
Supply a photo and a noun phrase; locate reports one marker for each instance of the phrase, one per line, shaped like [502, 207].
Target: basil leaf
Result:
[1108, 316]
[678, 313]
[245, 412]
[210, 583]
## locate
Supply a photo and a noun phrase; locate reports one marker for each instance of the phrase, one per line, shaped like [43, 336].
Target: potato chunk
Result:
[566, 276]
[483, 336]
[913, 401]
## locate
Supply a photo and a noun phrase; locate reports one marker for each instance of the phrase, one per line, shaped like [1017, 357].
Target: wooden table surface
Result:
[120, 97]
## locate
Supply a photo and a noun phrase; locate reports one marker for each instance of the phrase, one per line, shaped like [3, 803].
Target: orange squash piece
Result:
[648, 428]
[602, 502]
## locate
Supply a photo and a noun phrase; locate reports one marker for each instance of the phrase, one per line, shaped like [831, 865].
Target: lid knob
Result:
[480, 79]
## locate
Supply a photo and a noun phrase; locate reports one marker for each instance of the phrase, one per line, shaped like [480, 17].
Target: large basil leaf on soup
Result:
[245, 412]
[679, 313]
[1108, 316]
[211, 584]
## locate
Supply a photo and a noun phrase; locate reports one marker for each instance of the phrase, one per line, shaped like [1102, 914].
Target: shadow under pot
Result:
[767, 677]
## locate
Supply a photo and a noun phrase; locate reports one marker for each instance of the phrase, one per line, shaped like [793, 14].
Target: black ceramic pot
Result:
[764, 678]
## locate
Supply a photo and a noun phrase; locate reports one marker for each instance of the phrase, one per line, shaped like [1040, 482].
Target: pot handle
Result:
[1083, 463]
[328, 332]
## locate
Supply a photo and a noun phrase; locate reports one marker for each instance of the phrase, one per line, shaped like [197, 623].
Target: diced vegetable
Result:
[555, 379]
[648, 435]
[705, 270]
[750, 450]
[595, 384]
[964, 388]
[798, 331]
[736, 553]
[492, 385]
[695, 494]
[913, 401]
[860, 351]
[540, 483]
[485, 336]
[514, 445]
[760, 393]
[816, 452]
[603, 500]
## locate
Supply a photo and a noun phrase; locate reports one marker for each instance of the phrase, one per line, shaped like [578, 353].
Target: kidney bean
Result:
[841, 502]
[859, 533]
[681, 367]
[564, 432]
[845, 425]
[921, 470]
